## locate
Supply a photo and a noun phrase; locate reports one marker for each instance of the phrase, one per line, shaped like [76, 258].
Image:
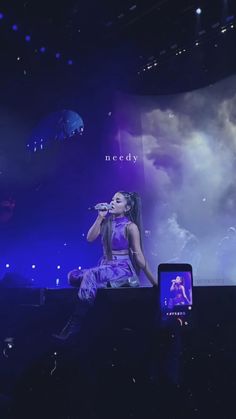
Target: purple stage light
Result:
[42, 49]
[27, 38]
[58, 55]
[69, 62]
[1, 16]
[15, 28]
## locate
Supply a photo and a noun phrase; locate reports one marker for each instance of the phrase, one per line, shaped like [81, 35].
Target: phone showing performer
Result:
[175, 281]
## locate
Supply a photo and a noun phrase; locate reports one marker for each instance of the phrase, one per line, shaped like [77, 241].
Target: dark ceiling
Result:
[138, 46]
[142, 45]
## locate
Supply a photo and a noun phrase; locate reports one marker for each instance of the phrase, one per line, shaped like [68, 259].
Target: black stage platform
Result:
[122, 364]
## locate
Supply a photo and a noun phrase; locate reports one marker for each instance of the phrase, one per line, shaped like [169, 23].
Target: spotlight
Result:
[42, 49]
[69, 62]
[58, 55]
[27, 38]
[7, 265]
[15, 28]
[33, 266]
[198, 11]
[58, 266]
[1, 16]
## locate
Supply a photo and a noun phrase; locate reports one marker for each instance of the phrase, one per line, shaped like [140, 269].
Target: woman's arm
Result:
[95, 229]
[172, 288]
[135, 245]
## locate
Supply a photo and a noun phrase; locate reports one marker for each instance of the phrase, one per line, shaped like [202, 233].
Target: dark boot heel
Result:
[71, 328]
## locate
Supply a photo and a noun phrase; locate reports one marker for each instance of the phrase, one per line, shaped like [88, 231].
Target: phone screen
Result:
[176, 296]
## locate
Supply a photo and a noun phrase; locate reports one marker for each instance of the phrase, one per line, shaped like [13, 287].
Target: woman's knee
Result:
[70, 277]
[74, 278]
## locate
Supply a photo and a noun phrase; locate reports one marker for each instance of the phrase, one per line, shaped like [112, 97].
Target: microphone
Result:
[103, 206]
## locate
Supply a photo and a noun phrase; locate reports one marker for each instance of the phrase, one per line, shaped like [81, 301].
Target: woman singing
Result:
[123, 257]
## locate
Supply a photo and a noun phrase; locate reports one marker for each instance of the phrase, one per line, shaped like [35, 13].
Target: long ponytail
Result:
[135, 215]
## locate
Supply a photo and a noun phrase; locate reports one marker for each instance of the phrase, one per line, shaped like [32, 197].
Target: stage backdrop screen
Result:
[185, 148]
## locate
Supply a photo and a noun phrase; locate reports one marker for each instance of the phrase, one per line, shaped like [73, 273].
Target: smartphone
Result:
[175, 282]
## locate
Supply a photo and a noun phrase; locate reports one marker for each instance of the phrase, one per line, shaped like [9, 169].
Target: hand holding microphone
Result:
[103, 208]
